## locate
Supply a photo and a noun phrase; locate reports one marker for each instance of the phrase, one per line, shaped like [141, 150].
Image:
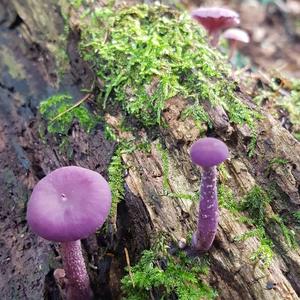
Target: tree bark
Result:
[146, 209]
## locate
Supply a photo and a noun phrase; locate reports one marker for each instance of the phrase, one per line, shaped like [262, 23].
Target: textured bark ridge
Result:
[146, 208]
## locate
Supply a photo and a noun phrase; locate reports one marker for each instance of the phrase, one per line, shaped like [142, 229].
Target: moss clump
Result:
[160, 275]
[288, 234]
[184, 196]
[226, 198]
[296, 216]
[117, 168]
[278, 161]
[145, 55]
[199, 115]
[116, 180]
[57, 111]
[255, 204]
[264, 253]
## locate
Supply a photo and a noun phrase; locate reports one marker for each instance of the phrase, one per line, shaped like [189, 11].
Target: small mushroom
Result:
[207, 153]
[215, 19]
[235, 36]
[67, 205]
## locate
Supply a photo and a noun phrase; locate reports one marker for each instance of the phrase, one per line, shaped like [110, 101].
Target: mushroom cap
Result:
[216, 18]
[236, 35]
[208, 152]
[68, 204]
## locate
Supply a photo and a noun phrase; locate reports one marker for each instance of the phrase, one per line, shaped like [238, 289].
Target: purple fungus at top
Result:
[207, 153]
[67, 205]
[215, 19]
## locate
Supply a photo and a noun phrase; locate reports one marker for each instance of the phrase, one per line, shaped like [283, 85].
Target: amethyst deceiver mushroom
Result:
[215, 19]
[235, 36]
[207, 153]
[67, 205]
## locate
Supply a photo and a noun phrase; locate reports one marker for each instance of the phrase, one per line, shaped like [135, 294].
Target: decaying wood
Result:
[146, 209]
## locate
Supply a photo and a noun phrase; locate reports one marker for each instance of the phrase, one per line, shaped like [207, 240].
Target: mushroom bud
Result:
[67, 205]
[235, 36]
[207, 153]
[215, 19]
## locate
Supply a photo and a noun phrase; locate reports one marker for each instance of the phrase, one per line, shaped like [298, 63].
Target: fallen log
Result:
[255, 254]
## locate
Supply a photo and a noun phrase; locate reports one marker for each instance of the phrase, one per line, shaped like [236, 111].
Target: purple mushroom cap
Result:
[208, 152]
[69, 204]
[236, 34]
[216, 18]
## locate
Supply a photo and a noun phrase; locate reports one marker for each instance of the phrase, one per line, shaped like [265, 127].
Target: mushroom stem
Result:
[233, 46]
[215, 38]
[208, 211]
[78, 286]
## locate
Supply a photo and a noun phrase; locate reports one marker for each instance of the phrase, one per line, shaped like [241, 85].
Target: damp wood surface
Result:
[149, 206]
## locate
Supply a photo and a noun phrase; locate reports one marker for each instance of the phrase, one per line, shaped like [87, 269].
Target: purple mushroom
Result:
[207, 153]
[67, 205]
[235, 36]
[215, 19]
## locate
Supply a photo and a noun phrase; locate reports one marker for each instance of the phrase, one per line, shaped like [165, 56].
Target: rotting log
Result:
[146, 208]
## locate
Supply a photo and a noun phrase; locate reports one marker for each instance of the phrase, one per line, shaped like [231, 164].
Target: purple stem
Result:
[233, 45]
[78, 283]
[208, 211]
[215, 35]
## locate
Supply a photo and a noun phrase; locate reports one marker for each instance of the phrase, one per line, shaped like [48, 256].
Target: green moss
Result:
[76, 3]
[275, 162]
[117, 167]
[144, 146]
[223, 172]
[161, 274]
[252, 145]
[256, 232]
[264, 253]
[194, 197]
[198, 114]
[226, 199]
[116, 180]
[255, 203]
[109, 133]
[288, 234]
[147, 64]
[278, 161]
[60, 105]
[296, 215]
